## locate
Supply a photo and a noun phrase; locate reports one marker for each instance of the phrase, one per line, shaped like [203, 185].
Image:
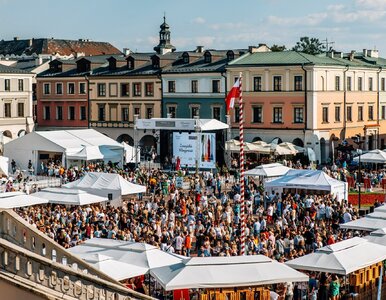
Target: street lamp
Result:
[357, 140]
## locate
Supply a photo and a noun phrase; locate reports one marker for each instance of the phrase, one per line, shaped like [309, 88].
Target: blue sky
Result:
[219, 24]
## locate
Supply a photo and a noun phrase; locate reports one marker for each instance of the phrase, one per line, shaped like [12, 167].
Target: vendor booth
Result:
[109, 185]
[268, 171]
[374, 156]
[314, 180]
[235, 277]
[358, 260]
[69, 147]
[369, 222]
[19, 199]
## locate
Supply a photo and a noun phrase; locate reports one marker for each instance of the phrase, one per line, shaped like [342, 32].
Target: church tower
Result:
[164, 45]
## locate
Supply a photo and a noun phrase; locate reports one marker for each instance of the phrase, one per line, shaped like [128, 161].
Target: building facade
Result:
[313, 101]
[15, 102]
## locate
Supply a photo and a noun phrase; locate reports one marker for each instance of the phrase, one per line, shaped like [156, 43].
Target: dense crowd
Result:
[203, 220]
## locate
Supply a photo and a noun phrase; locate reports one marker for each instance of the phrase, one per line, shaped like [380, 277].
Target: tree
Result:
[277, 48]
[309, 45]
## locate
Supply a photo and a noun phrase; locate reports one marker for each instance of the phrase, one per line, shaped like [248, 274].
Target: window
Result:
[195, 111]
[83, 113]
[216, 112]
[257, 116]
[149, 112]
[20, 109]
[370, 83]
[277, 115]
[298, 115]
[82, 88]
[7, 84]
[383, 112]
[137, 111]
[149, 89]
[125, 88]
[20, 84]
[337, 113]
[257, 84]
[360, 84]
[59, 88]
[237, 114]
[59, 113]
[337, 83]
[216, 86]
[71, 88]
[171, 86]
[125, 114]
[325, 115]
[71, 112]
[277, 83]
[7, 110]
[348, 83]
[101, 112]
[349, 114]
[371, 113]
[172, 111]
[101, 89]
[360, 113]
[194, 86]
[298, 81]
[137, 89]
[47, 113]
[383, 84]
[47, 88]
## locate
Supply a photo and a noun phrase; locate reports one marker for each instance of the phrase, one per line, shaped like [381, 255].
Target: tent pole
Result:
[379, 294]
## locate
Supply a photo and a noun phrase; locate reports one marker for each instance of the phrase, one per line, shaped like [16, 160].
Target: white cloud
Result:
[199, 20]
[308, 20]
[371, 3]
[227, 26]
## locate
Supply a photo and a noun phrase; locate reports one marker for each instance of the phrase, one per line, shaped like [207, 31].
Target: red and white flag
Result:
[233, 94]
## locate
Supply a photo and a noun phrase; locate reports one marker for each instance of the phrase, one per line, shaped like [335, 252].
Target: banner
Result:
[185, 147]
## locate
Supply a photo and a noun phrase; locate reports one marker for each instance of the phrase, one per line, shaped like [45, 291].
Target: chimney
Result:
[30, 42]
[365, 52]
[373, 53]
[200, 49]
[126, 51]
[252, 49]
[16, 38]
[39, 60]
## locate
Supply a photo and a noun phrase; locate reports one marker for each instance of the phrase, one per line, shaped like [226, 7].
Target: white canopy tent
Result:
[370, 222]
[268, 170]
[18, 199]
[222, 272]
[341, 258]
[211, 124]
[139, 258]
[374, 156]
[109, 185]
[4, 166]
[380, 208]
[69, 196]
[308, 180]
[377, 236]
[130, 154]
[51, 144]
[86, 153]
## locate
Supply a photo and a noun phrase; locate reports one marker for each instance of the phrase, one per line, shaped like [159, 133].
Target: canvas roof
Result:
[106, 181]
[367, 224]
[373, 156]
[341, 258]
[221, 272]
[19, 199]
[380, 208]
[268, 170]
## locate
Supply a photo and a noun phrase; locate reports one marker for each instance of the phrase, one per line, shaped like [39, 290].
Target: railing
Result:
[41, 273]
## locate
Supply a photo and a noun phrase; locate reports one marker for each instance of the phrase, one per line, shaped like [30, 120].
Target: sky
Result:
[214, 24]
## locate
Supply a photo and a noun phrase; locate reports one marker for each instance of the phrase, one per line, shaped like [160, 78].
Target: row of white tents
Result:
[94, 187]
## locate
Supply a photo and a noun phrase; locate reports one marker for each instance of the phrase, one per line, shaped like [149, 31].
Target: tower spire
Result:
[164, 45]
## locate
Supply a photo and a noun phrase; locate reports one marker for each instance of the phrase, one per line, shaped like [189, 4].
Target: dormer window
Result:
[56, 67]
[185, 58]
[83, 66]
[112, 63]
[208, 57]
[130, 63]
[230, 56]
[155, 62]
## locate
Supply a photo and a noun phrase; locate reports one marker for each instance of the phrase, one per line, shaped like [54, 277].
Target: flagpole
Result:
[242, 181]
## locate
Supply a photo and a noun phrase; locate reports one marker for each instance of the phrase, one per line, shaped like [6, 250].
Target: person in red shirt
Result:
[187, 243]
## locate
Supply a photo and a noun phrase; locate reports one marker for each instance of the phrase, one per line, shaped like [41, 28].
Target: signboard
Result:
[157, 124]
[195, 146]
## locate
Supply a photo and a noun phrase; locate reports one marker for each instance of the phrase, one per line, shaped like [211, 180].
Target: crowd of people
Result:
[202, 220]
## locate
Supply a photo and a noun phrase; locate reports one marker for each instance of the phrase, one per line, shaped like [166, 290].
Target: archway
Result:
[21, 133]
[298, 142]
[148, 144]
[256, 139]
[322, 150]
[276, 140]
[126, 138]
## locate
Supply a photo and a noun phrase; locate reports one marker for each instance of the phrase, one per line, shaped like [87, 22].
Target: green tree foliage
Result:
[278, 48]
[309, 45]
